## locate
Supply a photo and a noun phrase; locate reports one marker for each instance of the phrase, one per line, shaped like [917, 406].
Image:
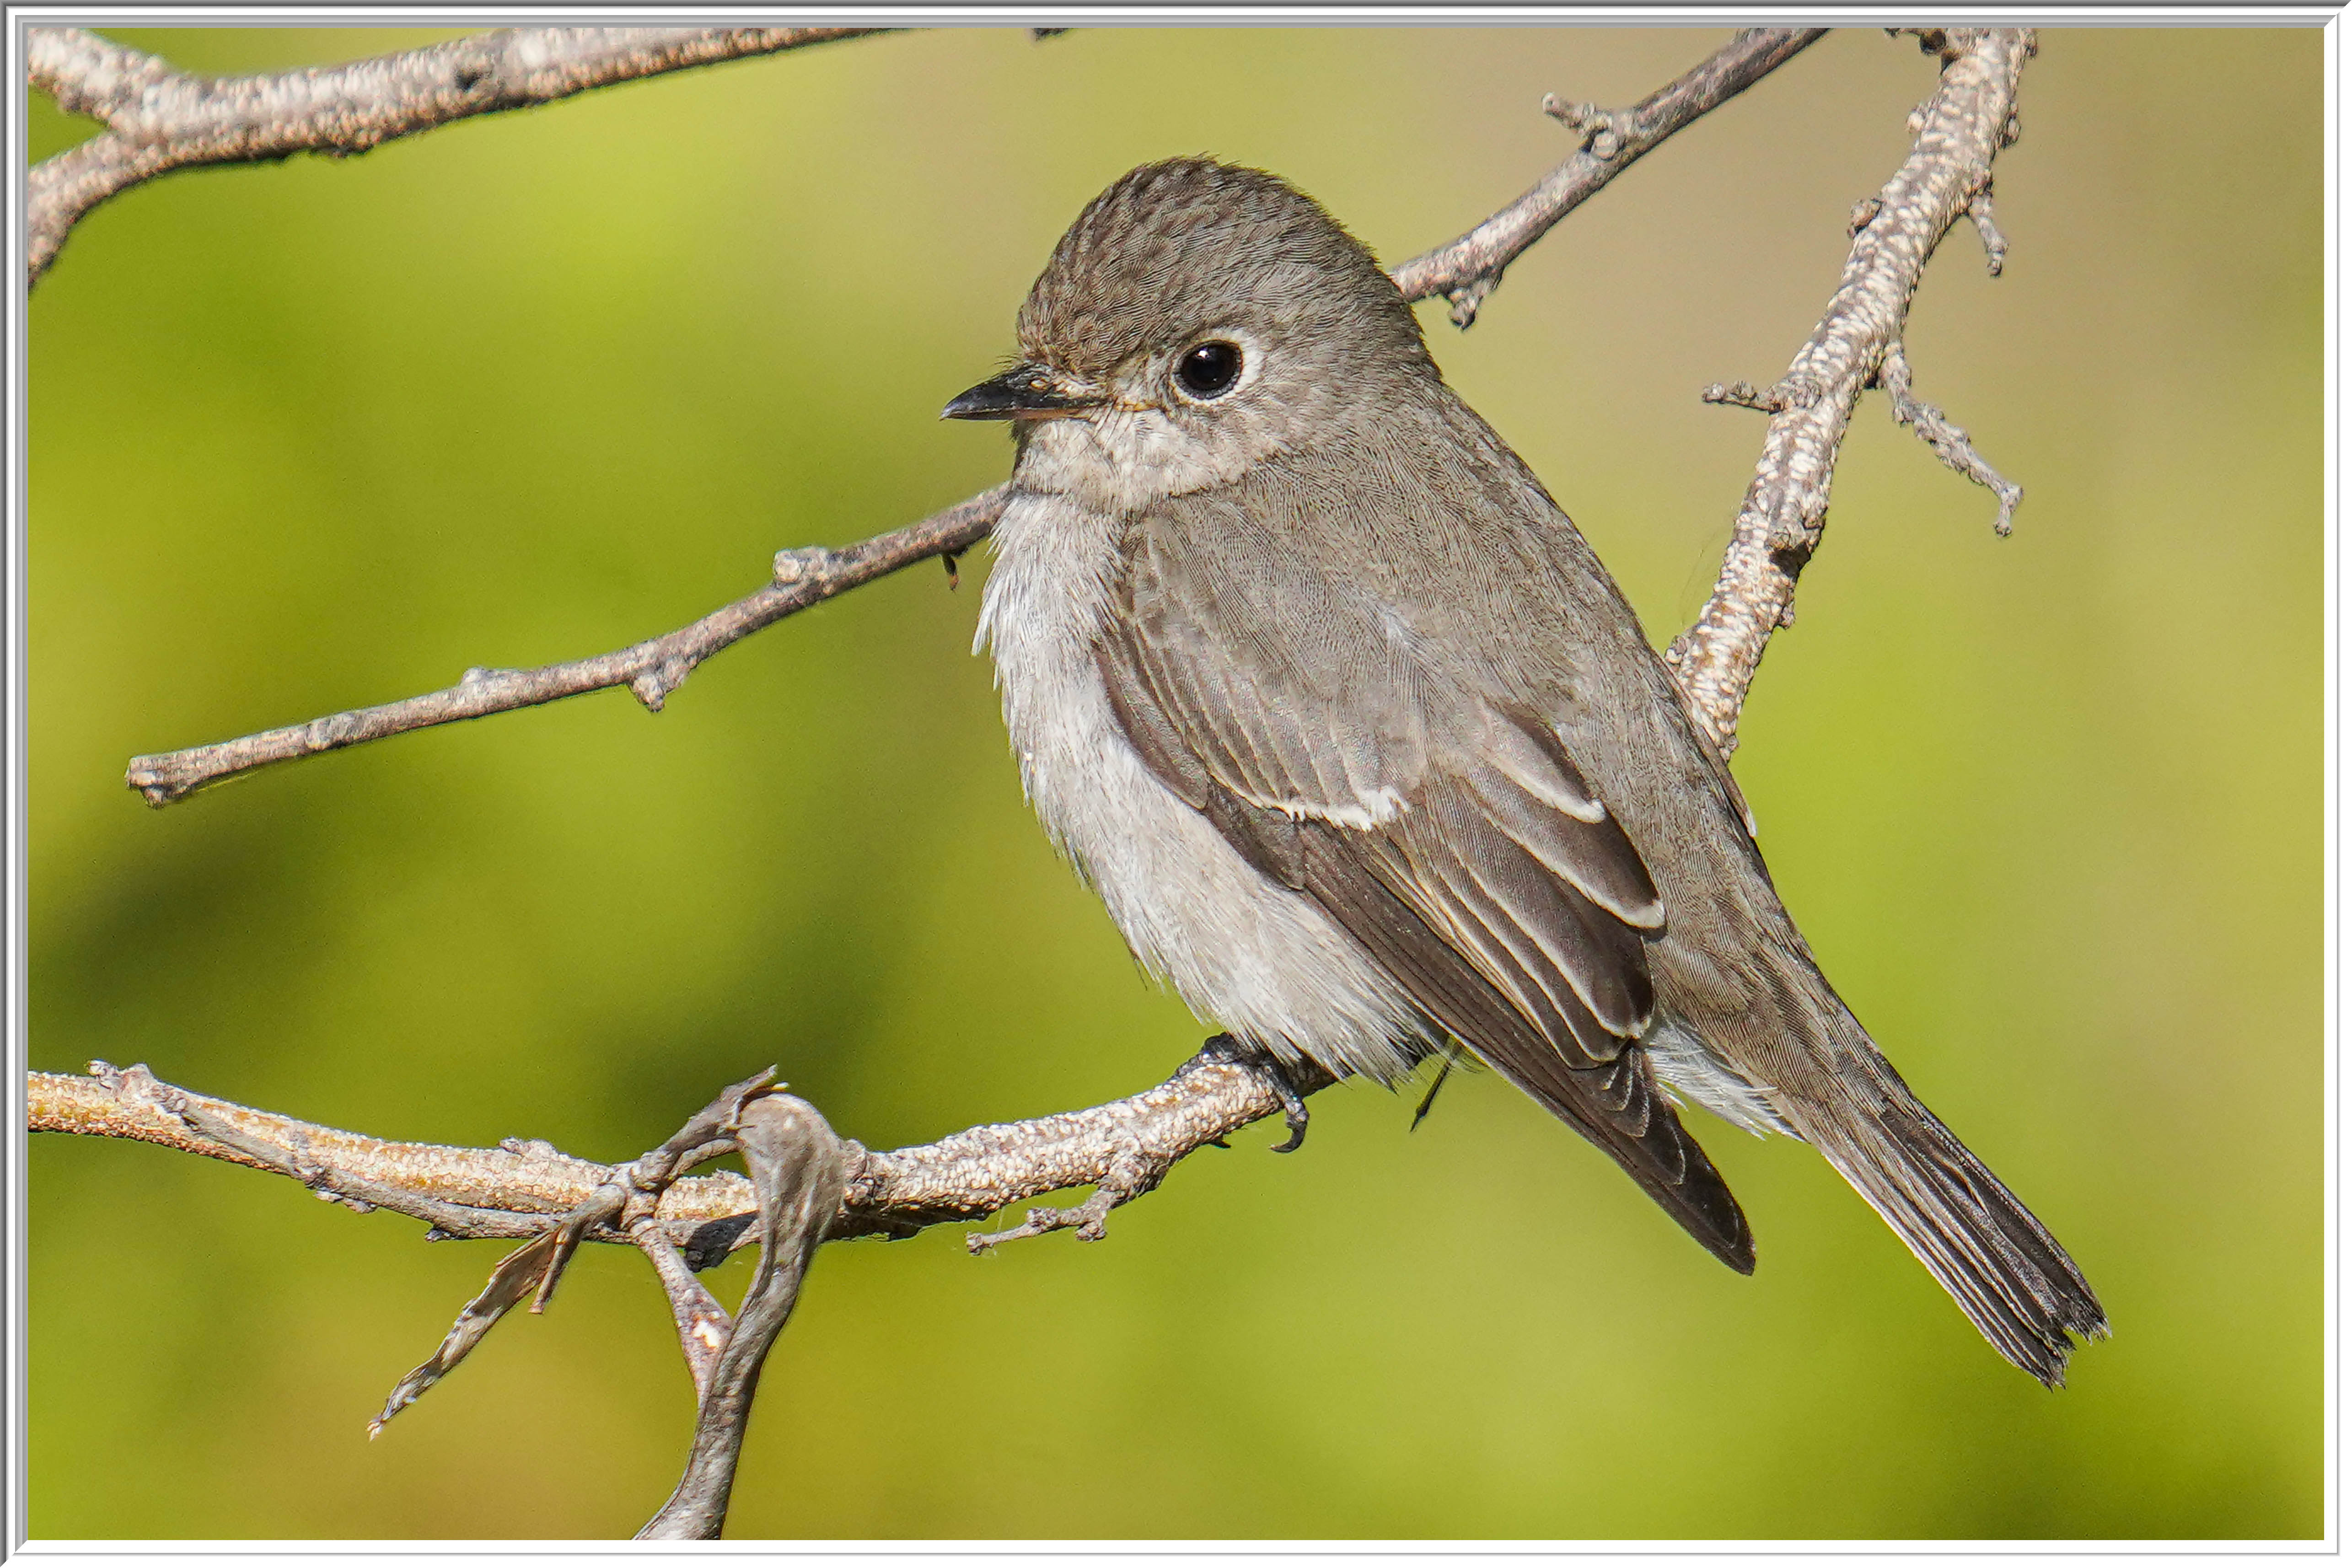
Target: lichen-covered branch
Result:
[159, 119]
[1972, 116]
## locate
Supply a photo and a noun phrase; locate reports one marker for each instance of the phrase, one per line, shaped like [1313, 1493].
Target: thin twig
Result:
[650, 669]
[160, 119]
[1747, 395]
[1958, 131]
[1948, 441]
[703, 1325]
[516, 1277]
[1608, 141]
[1996, 243]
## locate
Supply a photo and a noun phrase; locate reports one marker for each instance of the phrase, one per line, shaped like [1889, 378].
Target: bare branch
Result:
[1948, 440]
[651, 669]
[1958, 131]
[159, 119]
[703, 1325]
[519, 1190]
[524, 1189]
[801, 1171]
[1608, 141]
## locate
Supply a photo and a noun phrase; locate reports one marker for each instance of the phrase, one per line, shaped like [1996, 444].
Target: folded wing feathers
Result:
[1499, 893]
[1520, 916]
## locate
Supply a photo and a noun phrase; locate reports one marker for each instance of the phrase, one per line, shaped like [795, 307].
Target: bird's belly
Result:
[1245, 953]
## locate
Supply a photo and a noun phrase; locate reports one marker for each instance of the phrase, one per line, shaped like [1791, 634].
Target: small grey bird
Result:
[1319, 689]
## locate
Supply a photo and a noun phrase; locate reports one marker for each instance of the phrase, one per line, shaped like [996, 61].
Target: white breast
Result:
[1245, 953]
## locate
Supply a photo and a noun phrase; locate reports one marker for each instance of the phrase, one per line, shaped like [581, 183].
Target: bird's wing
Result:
[1450, 833]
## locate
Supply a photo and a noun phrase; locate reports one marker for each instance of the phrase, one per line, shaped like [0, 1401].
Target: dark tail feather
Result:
[2007, 1272]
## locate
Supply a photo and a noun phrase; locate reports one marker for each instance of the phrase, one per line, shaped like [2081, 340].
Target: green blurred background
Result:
[325, 434]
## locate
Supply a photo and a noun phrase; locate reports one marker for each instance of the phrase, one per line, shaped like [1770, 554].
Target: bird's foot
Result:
[1270, 1070]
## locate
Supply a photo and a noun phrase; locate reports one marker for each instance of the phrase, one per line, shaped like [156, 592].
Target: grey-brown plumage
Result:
[1367, 754]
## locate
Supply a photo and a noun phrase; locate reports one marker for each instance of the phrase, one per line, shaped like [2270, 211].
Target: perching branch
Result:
[1948, 175]
[808, 1185]
[526, 1188]
[1467, 269]
[159, 119]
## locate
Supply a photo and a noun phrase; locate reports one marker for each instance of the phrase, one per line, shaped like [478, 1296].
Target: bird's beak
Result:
[1024, 391]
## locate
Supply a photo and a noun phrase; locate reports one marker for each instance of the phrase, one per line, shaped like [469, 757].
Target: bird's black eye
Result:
[1210, 370]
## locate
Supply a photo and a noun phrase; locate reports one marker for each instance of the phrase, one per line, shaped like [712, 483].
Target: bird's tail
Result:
[2000, 1264]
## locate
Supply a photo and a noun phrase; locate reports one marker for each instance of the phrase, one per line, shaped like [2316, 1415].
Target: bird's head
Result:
[1197, 318]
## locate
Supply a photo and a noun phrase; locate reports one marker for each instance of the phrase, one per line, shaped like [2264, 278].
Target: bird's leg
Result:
[1444, 1067]
[1269, 1070]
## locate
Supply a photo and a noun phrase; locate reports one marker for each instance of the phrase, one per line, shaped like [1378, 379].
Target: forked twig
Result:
[1958, 131]
[801, 1171]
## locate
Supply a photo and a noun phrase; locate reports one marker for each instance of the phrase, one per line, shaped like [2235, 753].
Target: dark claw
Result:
[1294, 1113]
[1269, 1070]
